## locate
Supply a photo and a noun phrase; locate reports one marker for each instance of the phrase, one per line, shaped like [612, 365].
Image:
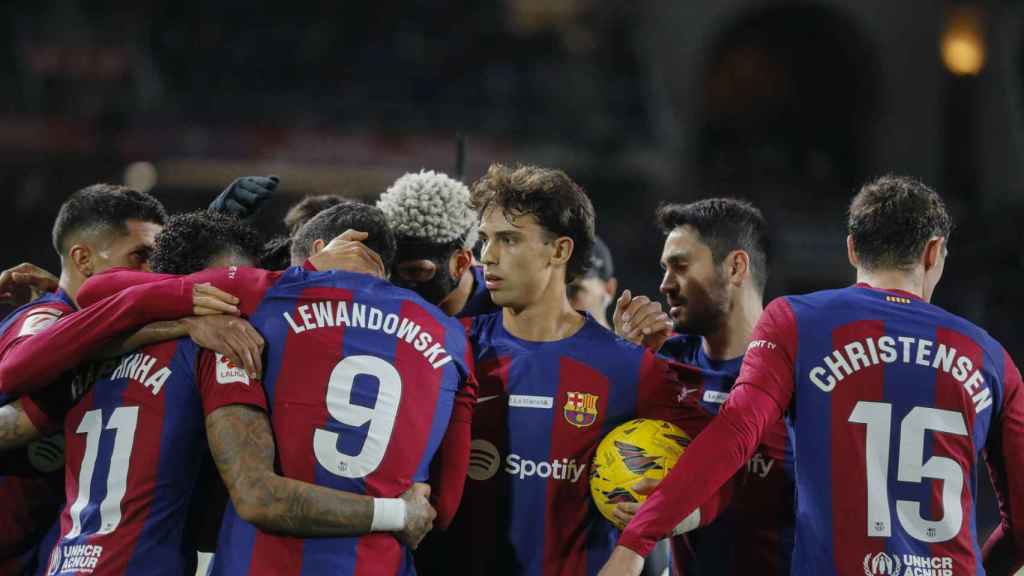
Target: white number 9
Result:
[381, 417]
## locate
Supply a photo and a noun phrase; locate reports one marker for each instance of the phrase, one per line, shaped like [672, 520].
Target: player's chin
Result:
[501, 297]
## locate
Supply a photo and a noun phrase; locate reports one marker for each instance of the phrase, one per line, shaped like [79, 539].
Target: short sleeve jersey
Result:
[361, 377]
[542, 409]
[134, 440]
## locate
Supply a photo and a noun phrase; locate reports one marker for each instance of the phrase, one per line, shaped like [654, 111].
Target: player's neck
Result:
[456, 301]
[732, 340]
[549, 319]
[907, 281]
[70, 283]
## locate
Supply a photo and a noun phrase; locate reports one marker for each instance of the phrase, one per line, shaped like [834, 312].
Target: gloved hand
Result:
[243, 197]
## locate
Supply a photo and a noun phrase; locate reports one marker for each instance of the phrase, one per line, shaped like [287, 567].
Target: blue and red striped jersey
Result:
[134, 443]
[891, 403]
[479, 302]
[361, 378]
[542, 409]
[29, 500]
[755, 534]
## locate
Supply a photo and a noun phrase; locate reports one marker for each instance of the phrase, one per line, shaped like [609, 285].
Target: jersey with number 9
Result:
[361, 378]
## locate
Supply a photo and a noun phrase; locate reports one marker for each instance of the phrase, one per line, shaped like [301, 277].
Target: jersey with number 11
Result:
[361, 377]
[892, 403]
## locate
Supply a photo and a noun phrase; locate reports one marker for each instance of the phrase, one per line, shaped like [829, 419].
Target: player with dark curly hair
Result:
[176, 399]
[191, 242]
[369, 328]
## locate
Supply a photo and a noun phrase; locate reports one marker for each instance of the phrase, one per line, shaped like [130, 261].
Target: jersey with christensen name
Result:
[755, 534]
[891, 402]
[361, 378]
[135, 440]
[542, 410]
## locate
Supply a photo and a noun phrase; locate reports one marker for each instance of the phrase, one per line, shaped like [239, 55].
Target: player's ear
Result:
[563, 250]
[737, 266]
[317, 246]
[82, 259]
[611, 286]
[933, 252]
[851, 253]
[460, 261]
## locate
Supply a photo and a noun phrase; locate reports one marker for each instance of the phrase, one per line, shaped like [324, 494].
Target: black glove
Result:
[243, 197]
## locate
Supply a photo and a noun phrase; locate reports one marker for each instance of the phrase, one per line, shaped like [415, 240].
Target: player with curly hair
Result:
[436, 230]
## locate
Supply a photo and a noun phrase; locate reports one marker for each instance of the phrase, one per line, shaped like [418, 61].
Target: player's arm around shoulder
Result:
[242, 446]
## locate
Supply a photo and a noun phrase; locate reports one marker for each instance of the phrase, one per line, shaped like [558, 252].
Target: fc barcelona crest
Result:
[580, 409]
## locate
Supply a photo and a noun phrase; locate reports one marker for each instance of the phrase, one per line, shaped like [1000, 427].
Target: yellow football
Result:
[637, 449]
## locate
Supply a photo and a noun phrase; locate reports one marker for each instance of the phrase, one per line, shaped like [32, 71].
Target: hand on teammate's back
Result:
[208, 300]
[230, 336]
[419, 515]
[641, 321]
[347, 252]
[243, 197]
[24, 283]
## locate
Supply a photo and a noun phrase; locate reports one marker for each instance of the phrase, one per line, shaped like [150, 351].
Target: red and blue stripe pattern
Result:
[896, 431]
[354, 407]
[542, 409]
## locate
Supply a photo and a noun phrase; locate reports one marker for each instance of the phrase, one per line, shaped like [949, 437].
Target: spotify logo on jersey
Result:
[484, 460]
[47, 455]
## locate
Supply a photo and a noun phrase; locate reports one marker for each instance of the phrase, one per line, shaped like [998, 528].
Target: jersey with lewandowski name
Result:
[543, 408]
[755, 534]
[135, 440]
[479, 302]
[891, 402]
[29, 501]
[361, 378]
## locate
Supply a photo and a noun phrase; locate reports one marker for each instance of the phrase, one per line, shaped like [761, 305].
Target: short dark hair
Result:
[310, 206]
[344, 216]
[560, 206]
[724, 224]
[103, 206]
[892, 218]
[190, 241]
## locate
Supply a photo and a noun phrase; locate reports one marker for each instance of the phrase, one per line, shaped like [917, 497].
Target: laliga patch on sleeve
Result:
[228, 373]
[39, 320]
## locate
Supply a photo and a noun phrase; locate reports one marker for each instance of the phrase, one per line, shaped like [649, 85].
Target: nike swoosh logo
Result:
[483, 399]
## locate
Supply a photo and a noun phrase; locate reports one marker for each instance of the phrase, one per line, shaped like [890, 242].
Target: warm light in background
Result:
[140, 176]
[963, 41]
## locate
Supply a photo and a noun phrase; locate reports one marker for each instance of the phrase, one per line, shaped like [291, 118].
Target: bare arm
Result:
[16, 429]
[243, 449]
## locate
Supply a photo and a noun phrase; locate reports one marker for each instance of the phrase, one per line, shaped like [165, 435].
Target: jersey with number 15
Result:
[891, 403]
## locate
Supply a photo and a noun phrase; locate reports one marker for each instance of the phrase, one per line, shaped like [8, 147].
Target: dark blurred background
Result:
[789, 104]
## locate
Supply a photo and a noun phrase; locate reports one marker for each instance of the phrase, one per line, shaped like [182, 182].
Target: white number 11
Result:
[123, 420]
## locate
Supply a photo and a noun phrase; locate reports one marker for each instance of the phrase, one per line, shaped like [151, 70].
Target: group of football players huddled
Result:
[421, 384]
